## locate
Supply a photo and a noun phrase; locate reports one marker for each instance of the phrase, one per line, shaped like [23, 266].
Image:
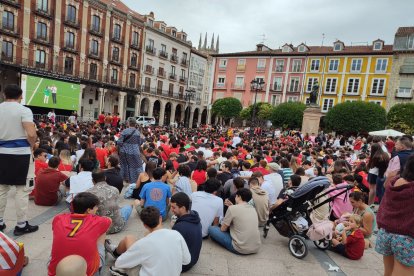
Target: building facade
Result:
[402, 75]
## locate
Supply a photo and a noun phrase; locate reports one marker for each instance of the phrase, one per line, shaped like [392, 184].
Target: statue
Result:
[314, 95]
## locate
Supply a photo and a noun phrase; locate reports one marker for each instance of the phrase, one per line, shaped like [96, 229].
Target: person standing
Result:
[51, 116]
[129, 152]
[17, 138]
[54, 93]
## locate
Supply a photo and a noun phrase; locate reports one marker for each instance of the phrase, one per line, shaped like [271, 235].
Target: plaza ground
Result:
[274, 257]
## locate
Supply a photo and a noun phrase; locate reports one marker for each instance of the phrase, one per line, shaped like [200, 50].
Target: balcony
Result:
[45, 41]
[13, 3]
[222, 68]
[163, 54]
[161, 73]
[173, 77]
[10, 30]
[134, 66]
[276, 87]
[8, 59]
[68, 71]
[46, 13]
[131, 84]
[220, 85]
[40, 65]
[279, 68]
[407, 69]
[114, 80]
[72, 22]
[241, 68]
[149, 70]
[260, 68]
[296, 69]
[94, 55]
[184, 62]
[183, 80]
[117, 39]
[135, 45]
[94, 30]
[404, 93]
[174, 58]
[71, 49]
[294, 88]
[150, 50]
[238, 86]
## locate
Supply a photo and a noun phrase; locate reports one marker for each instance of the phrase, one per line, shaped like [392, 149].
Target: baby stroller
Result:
[298, 207]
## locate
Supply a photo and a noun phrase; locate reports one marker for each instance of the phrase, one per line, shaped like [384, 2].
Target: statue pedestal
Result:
[311, 119]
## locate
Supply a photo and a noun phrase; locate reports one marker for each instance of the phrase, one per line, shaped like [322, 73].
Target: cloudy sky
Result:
[241, 24]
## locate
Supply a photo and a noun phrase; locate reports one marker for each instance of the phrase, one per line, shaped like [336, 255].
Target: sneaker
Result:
[110, 248]
[25, 230]
[2, 227]
[117, 271]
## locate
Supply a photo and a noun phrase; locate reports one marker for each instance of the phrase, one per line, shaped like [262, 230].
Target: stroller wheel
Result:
[322, 244]
[298, 247]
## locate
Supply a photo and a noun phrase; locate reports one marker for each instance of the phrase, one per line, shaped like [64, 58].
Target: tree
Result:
[263, 111]
[354, 117]
[227, 108]
[400, 117]
[288, 115]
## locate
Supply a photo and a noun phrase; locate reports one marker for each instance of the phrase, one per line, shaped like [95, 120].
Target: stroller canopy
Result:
[320, 182]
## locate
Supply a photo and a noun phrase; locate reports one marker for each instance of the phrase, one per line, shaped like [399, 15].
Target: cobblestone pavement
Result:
[274, 257]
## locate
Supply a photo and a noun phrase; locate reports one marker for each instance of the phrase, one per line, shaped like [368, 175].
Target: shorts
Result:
[340, 249]
[401, 246]
[14, 169]
[372, 178]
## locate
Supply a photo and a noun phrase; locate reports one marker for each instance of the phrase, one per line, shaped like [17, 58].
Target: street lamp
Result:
[256, 85]
[189, 95]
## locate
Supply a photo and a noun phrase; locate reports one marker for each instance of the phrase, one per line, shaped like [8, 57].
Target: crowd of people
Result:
[212, 182]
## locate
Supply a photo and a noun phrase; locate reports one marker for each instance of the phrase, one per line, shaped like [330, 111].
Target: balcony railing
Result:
[114, 80]
[173, 77]
[276, 87]
[184, 62]
[95, 31]
[407, 69]
[220, 85]
[238, 86]
[13, 3]
[10, 30]
[94, 55]
[48, 13]
[161, 73]
[183, 80]
[174, 58]
[150, 50]
[260, 68]
[135, 45]
[72, 22]
[47, 41]
[296, 69]
[241, 68]
[6, 58]
[163, 54]
[294, 88]
[406, 93]
[149, 70]
[134, 66]
[279, 68]
[71, 48]
[118, 39]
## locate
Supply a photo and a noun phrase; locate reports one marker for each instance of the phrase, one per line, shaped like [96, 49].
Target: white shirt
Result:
[277, 182]
[236, 140]
[208, 207]
[12, 115]
[268, 187]
[79, 183]
[310, 172]
[162, 252]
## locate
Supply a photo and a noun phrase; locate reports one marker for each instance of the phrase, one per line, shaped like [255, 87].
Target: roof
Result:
[316, 51]
[404, 31]
[120, 6]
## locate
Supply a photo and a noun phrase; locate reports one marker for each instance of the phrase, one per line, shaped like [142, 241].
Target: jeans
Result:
[380, 188]
[126, 212]
[222, 238]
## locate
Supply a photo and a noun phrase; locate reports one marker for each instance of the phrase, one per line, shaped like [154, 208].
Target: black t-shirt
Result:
[181, 158]
[113, 178]
[155, 159]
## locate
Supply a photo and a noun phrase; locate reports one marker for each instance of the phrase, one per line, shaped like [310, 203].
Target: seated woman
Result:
[368, 223]
[143, 178]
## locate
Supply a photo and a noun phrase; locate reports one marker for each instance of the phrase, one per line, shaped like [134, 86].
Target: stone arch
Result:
[187, 114]
[195, 117]
[156, 109]
[145, 105]
[167, 113]
[204, 117]
[178, 112]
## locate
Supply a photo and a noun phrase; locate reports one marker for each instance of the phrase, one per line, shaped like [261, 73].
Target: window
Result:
[172, 70]
[184, 57]
[134, 59]
[40, 58]
[261, 64]
[171, 88]
[378, 87]
[221, 81]
[376, 102]
[151, 22]
[356, 65]
[115, 54]
[68, 65]
[311, 83]
[174, 33]
[275, 99]
[135, 38]
[353, 86]
[93, 71]
[114, 75]
[378, 45]
[132, 80]
[239, 81]
[297, 65]
[294, 85]
[337, 47]
[315, 64]
[6, 50]
[381, 65]
[8, 20]
[301, 48]
[71, 13]
[330, 85]
[183, 73]
[241, 61]
[70, 40]
[411, 42]
[41, 31]
[280, 64]
[96, 23]
[163, 48]
[333, 65]
[277, 84]
[94, 47]
[117, 32]
[42, 5]
[223, 63]
[327, 104]
[151, 43]
[292, 99]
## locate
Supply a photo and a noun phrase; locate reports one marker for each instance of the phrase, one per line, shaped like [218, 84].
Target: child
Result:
[351, 244]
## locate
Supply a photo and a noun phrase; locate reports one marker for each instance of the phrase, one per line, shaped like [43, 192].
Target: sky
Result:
[242, 24]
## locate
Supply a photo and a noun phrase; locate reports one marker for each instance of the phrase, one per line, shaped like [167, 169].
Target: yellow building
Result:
[349, 73]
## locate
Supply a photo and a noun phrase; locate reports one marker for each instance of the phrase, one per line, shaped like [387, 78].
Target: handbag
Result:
[320, 230]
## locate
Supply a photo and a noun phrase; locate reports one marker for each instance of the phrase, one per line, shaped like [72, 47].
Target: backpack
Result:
[320, 230]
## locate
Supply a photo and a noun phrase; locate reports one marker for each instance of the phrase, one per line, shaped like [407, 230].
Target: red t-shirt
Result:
[260, 169]
[355, 245]
[77, 234]
[65, 168]
[47, 185]
[115, 121]
[101, 118]
[39, 165]
[101, 153]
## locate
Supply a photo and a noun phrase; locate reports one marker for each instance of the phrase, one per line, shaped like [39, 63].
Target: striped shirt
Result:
[9, 252]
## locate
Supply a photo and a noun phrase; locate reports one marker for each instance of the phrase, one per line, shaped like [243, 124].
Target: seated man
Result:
[48, 190]
[82, 181]
[260, 201]
[208, 205]
[80, 233]
[241, 219]
[160, 252]
[108, 206]
[72, 265]
[156, 193]
[188, 225]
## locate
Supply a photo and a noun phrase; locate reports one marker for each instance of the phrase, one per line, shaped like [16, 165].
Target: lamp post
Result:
[189, 95]
[256, 85]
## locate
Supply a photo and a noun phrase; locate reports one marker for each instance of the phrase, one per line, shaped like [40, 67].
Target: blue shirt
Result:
[156, 194]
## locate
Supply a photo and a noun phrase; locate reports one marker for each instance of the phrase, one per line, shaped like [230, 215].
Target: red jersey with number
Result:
[77, 234]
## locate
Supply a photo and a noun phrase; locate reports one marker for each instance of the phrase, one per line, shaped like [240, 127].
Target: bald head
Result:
[72, 265]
